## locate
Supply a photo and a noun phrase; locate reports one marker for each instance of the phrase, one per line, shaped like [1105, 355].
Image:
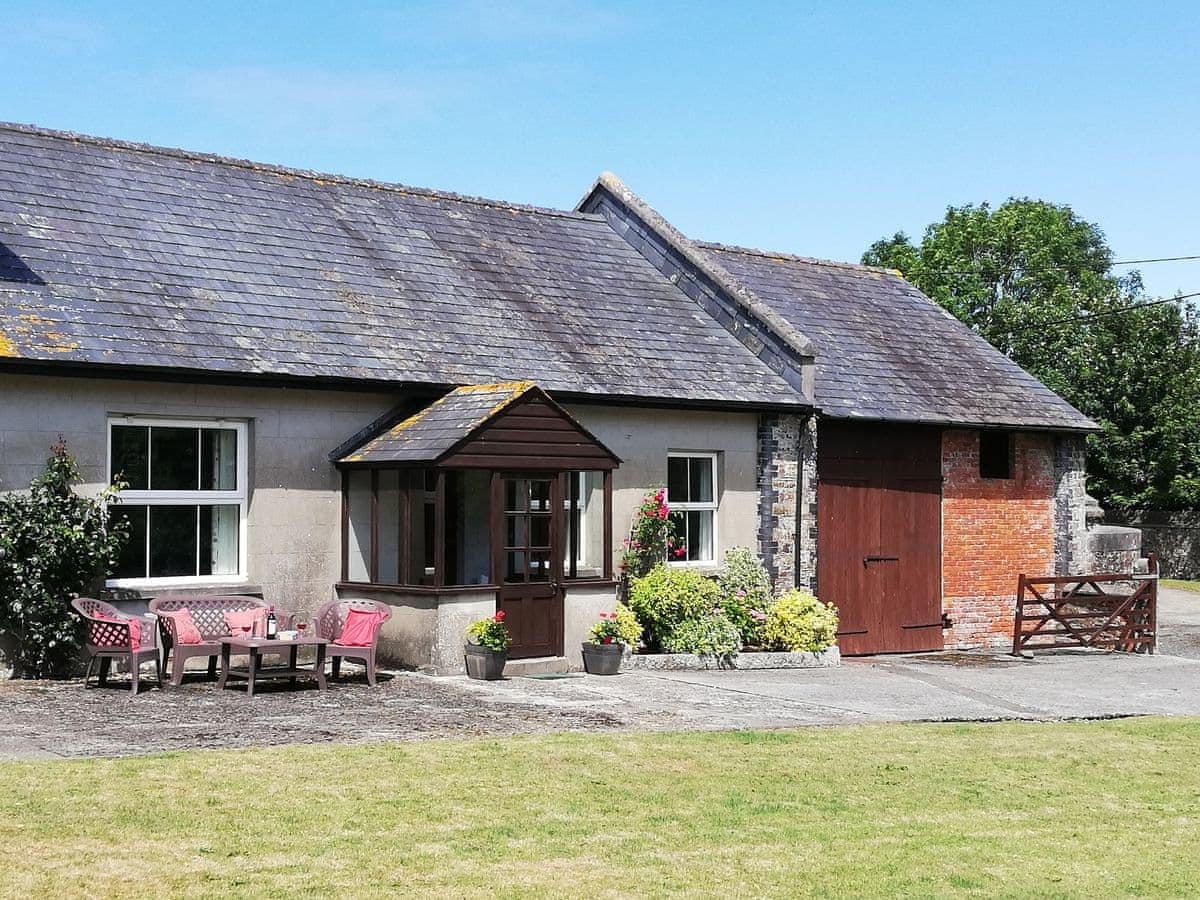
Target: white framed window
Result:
[692, 493]
[186, 500]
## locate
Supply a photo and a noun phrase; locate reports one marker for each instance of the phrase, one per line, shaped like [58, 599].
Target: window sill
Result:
[183, 582]
[421, 589]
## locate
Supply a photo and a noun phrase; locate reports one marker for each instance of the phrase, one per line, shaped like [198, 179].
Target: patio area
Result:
[61, 719]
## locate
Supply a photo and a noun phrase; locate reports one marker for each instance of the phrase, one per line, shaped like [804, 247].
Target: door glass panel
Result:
[515, 494]
[515, 531]
[539, 566]
[514, 568]
[539, 496]
[539, 531]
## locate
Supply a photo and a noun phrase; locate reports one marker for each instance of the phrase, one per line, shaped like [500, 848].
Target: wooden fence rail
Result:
[1077, 611]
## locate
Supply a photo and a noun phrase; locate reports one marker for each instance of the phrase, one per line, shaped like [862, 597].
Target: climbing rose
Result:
[499, 616]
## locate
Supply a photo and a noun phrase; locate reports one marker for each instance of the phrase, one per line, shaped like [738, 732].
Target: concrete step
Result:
[537, 665]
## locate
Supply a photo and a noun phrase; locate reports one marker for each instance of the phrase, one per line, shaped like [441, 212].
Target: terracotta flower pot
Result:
[602, 659]
[484, 663]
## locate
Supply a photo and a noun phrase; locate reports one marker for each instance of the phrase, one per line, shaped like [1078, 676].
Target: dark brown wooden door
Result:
[530, 564]
[879, 535]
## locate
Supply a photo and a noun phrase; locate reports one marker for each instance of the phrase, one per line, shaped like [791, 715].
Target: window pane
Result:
[700, 479]
[132, 563]
[389, 527]
[539, 495]
[677, 479]
[218, 459]
[174, 462]
[130, 459]
[700, 536]
[172, 540]
[516, 492]
[468, 527]
[679, 526]
[358, 548]
[219, 534]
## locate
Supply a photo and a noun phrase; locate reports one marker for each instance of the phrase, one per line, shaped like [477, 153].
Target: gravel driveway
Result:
[62, 719]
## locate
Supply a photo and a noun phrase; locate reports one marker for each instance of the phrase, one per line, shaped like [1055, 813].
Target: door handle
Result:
[871, 559]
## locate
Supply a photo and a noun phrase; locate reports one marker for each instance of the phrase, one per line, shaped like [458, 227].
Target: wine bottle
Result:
[271, 625]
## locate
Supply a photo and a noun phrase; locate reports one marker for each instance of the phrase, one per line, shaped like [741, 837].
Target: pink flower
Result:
[499, 616]
[681, 552]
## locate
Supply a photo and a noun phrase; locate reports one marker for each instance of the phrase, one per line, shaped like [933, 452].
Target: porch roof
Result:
[506, 425]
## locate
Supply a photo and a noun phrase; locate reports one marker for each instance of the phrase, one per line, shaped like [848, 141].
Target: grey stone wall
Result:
[781, 482]
[806, 563]
[1174, 535]
[1071, 555]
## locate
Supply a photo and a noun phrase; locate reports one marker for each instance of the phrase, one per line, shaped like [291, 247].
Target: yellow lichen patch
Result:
[7, 347]
[59, 343]
[391, 432]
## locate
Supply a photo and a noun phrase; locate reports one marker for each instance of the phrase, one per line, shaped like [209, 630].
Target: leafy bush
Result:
[54, 544]
[710, 635]
[491, 632]
[745, 589]
[799, 621]
[667, 597]
[620, 626]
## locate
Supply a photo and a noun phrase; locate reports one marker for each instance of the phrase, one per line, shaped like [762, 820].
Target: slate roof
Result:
[886, 351]
[434, 431]
[116, 253]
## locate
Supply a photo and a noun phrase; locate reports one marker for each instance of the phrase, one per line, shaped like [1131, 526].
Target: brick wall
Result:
[992, 531]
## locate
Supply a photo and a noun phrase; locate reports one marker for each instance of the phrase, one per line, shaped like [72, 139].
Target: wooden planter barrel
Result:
[484, 663]
[602, 659]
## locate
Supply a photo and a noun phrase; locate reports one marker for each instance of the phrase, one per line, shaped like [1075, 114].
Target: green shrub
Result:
[620, 626]
[491, 632]
[710, 635]
[666, 597]
[799, 621]
[54, 544]
[745, 589]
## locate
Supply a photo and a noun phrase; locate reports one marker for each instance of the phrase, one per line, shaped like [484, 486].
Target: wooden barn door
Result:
[530, 563]
[879, 535]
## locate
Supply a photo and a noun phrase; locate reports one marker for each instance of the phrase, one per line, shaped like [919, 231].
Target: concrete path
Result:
[1179, 622]
[932, 687]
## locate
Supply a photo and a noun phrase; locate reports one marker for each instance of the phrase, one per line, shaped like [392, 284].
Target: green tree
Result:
[54, 544]
[1036, 281]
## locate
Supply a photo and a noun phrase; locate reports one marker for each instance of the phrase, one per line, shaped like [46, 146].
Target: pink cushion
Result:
[186, 631]
[360, 627]
[135, 628]
[249, 618]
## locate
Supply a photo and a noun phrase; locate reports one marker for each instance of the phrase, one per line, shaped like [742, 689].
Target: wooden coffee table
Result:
[257, 647]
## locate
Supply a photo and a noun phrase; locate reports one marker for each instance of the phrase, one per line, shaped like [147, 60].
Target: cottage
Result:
[318, 386]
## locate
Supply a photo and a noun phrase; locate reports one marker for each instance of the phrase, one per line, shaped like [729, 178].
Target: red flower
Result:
[682, 551]
[662, 512]
[608, 639]
[499, 616]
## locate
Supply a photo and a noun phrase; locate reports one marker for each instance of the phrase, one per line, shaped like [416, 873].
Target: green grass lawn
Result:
[1083, 809]
[1181, 585]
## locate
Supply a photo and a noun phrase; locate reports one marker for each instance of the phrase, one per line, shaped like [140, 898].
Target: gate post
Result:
[1017, 620]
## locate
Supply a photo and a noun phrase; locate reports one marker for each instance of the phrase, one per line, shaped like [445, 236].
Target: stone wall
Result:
[992, 531]
[780, 483]
[1174, 535]
[1071, 554]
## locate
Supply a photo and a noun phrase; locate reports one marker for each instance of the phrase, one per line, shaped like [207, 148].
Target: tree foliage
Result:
[1036, 281]
[53, 545]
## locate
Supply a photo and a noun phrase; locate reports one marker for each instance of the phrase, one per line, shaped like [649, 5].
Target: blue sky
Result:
[812, 128]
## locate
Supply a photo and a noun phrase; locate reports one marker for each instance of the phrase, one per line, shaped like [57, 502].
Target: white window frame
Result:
[713, 506]
[240, 497]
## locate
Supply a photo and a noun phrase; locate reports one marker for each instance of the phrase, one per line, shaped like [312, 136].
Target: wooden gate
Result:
[1077, 611]
[879, 535]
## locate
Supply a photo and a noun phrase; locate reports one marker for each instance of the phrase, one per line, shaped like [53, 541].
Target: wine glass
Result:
[301, 629]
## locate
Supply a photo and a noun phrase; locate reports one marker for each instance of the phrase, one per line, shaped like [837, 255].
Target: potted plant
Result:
[610, 637]
[487, 646]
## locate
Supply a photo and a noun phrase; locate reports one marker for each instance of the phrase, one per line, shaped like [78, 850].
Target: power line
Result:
[1100, 315]
[1133, 262]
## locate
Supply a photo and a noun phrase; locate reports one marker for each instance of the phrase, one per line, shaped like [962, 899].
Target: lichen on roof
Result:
[7, 347]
